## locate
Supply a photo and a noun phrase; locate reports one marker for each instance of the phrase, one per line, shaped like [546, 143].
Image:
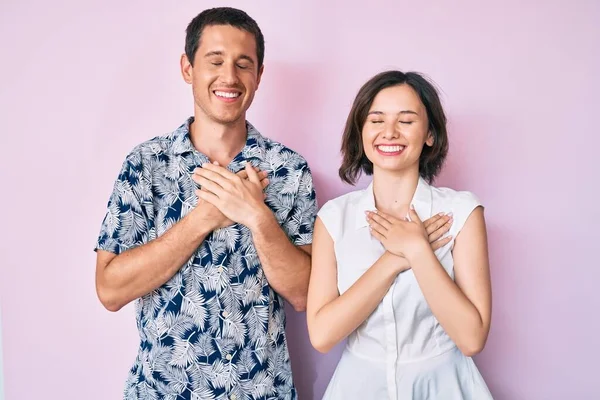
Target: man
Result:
[209, 252]
[208, 266]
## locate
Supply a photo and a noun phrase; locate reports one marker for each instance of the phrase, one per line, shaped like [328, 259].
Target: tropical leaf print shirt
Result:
[215, 330]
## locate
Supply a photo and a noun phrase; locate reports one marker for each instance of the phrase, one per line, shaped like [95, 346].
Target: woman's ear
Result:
[430, 139]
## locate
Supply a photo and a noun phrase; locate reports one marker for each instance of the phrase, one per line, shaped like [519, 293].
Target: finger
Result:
[227, 174]
[441, 243]
[210, 186]
[414, 216]
[371, 216]
[244, 175]
[378, 227]
[212, 176]
[434, 226]
[196, 176]
[430, 221]
[441, 231]
[208, 197]
[252, 174]
[377, 235]
[435, 235]
[264, 183]
[387, 216]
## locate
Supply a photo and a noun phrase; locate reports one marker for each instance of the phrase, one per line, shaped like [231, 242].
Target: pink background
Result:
[85, 81]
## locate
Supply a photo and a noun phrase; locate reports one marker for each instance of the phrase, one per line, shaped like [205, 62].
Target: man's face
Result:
[225, 74]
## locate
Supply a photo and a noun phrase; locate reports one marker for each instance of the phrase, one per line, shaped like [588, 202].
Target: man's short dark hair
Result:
[432, 158]
[222, 16]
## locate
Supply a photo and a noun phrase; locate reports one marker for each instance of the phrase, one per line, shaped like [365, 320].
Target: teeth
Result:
[229, 95]
[390, 149]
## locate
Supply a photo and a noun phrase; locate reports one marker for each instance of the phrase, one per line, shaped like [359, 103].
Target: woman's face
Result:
[396, 129]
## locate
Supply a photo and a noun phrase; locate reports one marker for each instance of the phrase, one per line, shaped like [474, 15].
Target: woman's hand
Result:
[403, 238]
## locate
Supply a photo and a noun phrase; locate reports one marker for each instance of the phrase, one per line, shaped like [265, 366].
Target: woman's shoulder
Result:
[454, 198]
[341, 213]
[460, 203]
[344, 200]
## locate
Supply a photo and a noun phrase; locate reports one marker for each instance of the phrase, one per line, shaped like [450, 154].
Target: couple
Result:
[210, 229]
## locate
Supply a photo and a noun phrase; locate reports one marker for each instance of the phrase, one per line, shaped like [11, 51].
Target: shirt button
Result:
[233, 397]
[228, 357]
[225, 314]
[220, 269]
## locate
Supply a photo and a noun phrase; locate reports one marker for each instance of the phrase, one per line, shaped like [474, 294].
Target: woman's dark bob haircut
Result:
[432, 158]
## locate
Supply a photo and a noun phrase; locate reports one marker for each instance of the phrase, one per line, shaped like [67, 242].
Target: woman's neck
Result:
[394, 191]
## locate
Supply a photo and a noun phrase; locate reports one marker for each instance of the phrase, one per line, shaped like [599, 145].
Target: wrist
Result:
[260, 219]
[419, 250]
[201, 223]
[397, 263]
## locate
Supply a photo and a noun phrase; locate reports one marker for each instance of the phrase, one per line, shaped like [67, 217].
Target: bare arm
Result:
[462, 308]
[136, 272]
[331, 317]
[287, 267]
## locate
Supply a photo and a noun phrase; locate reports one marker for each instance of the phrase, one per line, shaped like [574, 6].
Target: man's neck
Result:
[217, 141]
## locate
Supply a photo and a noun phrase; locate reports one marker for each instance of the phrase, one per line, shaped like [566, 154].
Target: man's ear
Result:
[187, 71]
[260, 72]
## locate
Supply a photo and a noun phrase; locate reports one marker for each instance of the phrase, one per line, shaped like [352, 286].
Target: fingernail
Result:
[450, 214]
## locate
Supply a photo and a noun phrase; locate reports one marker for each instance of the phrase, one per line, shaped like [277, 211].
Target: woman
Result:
[413, 314]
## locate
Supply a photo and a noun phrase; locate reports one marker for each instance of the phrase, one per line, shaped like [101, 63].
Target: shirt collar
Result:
[253, 151]
[422, 201]
[181, 138]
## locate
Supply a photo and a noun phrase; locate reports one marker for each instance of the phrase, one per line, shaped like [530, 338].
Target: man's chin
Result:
[228, 119]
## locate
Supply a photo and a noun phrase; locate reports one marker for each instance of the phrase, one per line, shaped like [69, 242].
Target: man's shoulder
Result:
[279, 153]
[166, 144]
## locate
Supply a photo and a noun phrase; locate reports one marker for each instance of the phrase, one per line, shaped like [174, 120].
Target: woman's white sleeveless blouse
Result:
[401, 351]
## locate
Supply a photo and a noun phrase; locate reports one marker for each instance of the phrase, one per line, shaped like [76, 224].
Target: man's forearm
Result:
[286, 267]
[141, 270]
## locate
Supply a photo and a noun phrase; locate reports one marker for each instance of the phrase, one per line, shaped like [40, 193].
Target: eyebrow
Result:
[220, 53]
[401, 112]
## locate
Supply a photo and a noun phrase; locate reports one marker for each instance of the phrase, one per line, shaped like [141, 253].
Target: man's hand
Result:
[210, 213]
[238, 199]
